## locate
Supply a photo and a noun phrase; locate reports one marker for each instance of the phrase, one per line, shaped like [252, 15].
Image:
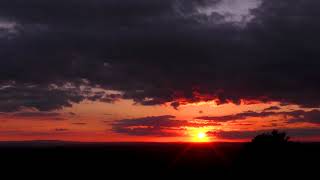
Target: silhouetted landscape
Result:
[89, 89]
[268, 155]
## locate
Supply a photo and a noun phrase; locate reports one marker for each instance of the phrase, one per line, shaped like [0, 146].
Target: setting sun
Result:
[201, 135]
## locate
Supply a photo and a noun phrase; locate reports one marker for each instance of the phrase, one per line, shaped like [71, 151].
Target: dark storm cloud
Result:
[294, 133]
[161, 51]
[110, 98]
[154, 125]
[33, 115]
[16, 97]
[239, 116]
[296, 116]
[310, 116]
[272, 108]
[38, 115]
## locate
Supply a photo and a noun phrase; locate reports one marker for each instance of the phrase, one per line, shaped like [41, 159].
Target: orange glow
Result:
[93, 122]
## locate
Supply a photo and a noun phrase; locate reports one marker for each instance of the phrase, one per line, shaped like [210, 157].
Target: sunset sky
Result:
[159, 70]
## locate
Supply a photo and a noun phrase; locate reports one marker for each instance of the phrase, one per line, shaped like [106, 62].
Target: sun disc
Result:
[201, 135]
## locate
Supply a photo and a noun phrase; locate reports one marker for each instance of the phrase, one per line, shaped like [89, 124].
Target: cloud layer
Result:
[165, 126]
[157, 52]
[312, 116]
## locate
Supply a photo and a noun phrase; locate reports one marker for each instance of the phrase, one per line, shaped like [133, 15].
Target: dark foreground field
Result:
[154, 160]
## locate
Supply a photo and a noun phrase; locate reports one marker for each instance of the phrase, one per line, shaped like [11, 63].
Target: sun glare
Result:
[201, 135]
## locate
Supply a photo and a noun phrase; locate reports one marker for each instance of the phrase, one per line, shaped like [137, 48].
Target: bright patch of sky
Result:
[233, 11]
[8, 28]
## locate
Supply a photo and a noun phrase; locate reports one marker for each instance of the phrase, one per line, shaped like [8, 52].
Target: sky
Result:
[159, 71]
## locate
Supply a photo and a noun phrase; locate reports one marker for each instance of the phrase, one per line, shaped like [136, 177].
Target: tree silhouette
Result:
[275, 137]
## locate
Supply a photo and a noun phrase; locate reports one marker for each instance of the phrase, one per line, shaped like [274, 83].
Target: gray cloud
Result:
[154, 125]
[239, 116]
[43, 98]
[34, 115]
[296, 116]
[272, 108]
[16, 97]
[159, 51]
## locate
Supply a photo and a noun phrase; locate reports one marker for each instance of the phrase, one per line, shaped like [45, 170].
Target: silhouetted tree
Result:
[275, 137]
[268, 153]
